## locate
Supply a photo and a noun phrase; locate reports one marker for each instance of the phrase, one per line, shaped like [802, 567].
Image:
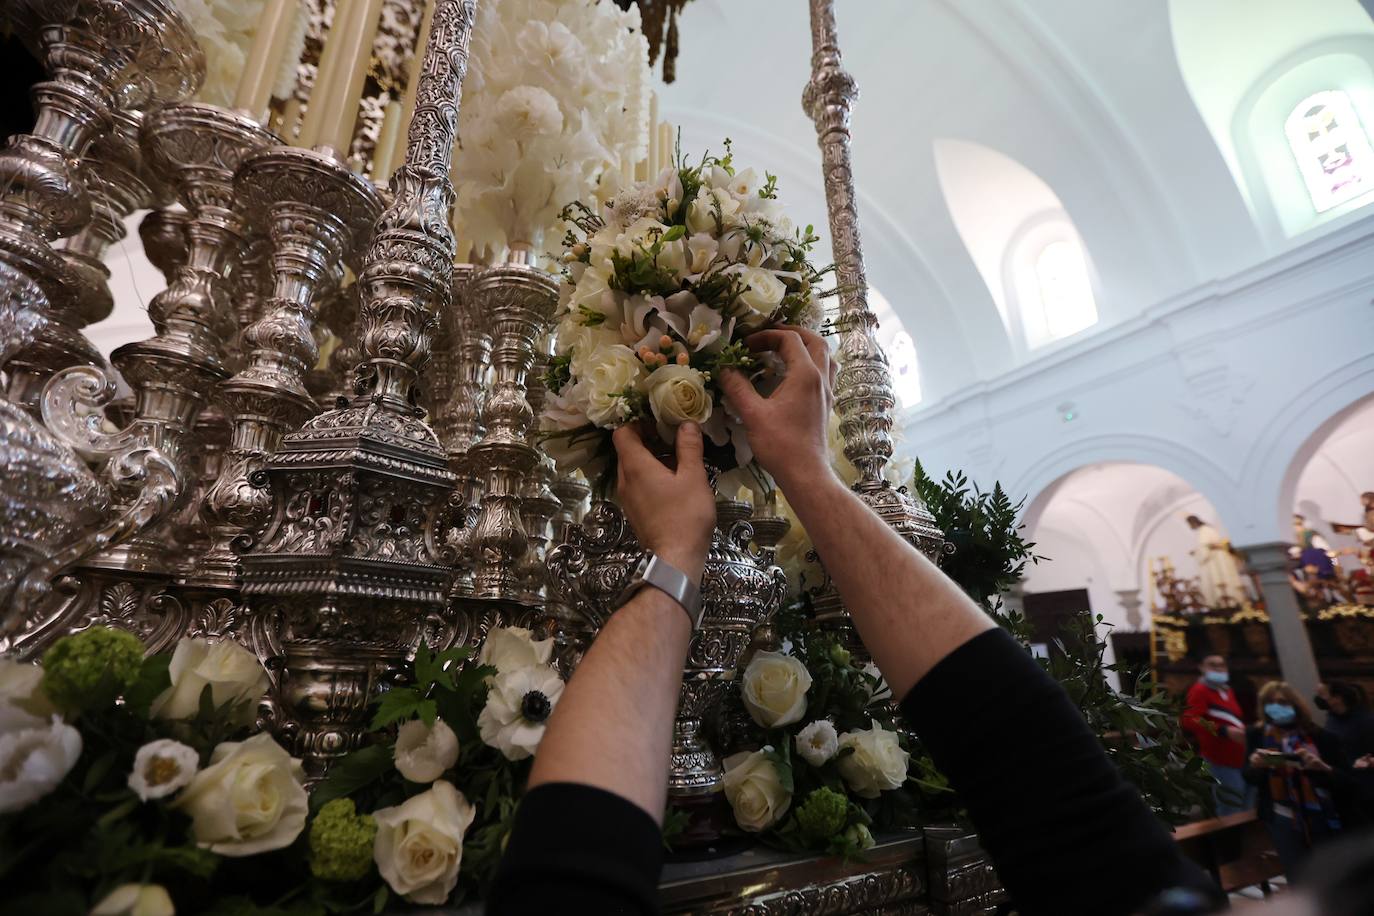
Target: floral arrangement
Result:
[555, 100]
[660, 288]
[225, 30]
[133, 785]
[833, 765]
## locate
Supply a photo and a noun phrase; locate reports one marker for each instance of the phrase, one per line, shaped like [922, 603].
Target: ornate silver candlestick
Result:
[342, 584]
[518, 300]
[116, 190]
[173, 373]
[316, 213]
[459, 385]
[102, 55]
[863, 386]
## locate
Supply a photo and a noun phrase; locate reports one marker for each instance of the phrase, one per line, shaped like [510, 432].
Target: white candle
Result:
[665, 146]
[264, 57]
[326, 75]
[652, 167]
[337, 129]
[384, 153]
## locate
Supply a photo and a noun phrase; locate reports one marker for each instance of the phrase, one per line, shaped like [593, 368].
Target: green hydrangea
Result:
[90, 669]
[839, 654]
[341, 842]
[823, 814]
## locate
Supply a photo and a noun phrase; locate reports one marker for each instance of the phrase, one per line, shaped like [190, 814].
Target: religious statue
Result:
[1362, 579]
[1219, 573]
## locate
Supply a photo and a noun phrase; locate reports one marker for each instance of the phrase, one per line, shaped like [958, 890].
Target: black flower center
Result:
[535, 707]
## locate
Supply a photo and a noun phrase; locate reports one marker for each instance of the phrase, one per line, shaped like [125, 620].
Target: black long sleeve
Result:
[1066, 833]
[578, 849]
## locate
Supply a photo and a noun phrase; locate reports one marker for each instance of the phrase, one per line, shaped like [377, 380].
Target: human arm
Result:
[787, 431]
[586, 836]
[995, 723]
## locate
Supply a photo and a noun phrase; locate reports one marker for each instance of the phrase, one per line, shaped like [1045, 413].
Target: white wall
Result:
[1225, 386]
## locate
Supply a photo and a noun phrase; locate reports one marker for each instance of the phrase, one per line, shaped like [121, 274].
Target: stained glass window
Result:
[1332, 150]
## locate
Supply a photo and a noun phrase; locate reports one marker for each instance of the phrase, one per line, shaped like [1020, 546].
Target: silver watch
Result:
[673, 582]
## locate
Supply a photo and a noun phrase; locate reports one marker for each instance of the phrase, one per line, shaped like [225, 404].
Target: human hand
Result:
[1365, 763]
[1257, 760]
[1235, 734]
[788, 429]
[1311, 761]
[672, 511]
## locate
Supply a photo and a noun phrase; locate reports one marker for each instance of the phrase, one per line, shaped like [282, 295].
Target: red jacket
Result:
[1207, 711]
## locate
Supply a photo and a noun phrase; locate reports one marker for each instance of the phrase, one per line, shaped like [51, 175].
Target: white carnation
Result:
[818, 742]
[424, 752]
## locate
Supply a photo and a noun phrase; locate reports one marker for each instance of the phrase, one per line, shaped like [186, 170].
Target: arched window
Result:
[1332, 150]
[1054, 295]
[900, 349]
[906, 377]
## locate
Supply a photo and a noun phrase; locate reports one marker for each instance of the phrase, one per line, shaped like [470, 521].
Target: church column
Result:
[1269, 563]
[1129, 599]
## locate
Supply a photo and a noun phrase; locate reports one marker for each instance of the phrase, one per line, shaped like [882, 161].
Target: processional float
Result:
[332, 517]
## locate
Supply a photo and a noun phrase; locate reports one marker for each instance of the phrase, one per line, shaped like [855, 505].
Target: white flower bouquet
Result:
[661, 288]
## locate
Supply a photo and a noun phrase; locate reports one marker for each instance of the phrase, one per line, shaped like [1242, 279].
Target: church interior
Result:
[1116, 255]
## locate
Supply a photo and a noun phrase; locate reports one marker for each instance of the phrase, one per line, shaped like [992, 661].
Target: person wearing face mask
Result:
[1349, 719]
[1298, 769]
[1213, 717]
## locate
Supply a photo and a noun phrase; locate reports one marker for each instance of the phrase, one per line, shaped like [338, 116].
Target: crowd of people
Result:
[1307, 783]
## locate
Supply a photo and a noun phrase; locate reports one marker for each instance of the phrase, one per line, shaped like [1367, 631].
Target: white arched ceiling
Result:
[1246, 64]
[1128, 515]
[991, 198]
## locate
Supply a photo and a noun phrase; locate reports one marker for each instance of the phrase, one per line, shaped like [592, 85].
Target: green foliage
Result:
[91, 669]
[989, 555]
[341, 842]
[1139, 730]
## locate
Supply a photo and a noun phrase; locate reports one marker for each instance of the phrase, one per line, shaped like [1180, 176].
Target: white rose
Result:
[818, 742]
[878, 762]
[760, 295]
[250, 798]
[135, 900]
[508, 648]
[34, 760]
[572, 336]
[755, 790]
[419, 844]
[519, 703]
[424, 752]
[161, 767]
[233, 674]
[608, 373]
[21, 686]
[774, 689]
[677, 395]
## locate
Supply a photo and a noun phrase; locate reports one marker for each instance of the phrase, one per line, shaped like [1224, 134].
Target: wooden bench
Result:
[1235, 850]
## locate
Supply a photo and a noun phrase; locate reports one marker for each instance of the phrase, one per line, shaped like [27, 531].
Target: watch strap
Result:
[654, 571]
